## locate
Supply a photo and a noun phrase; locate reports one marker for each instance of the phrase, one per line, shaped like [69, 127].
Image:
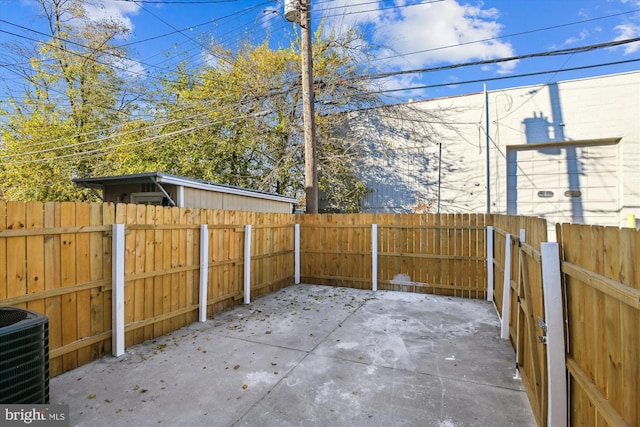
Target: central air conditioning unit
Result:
[24, 356]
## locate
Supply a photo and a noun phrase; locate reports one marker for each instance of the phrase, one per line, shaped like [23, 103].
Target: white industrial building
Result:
[567, 151]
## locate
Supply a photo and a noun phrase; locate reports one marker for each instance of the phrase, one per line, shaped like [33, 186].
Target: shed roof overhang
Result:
[158, 178]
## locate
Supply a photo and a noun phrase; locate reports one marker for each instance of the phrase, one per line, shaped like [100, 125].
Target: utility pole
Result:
[308, 113]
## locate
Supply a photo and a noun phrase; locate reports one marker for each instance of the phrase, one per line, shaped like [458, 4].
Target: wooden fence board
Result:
[96, 272]
[175, 262]
[184, 280]
[227, 245]
[629, 272]
[108, 218]
[68, 278]
[35, 255]
[166, 264]
[149, 265]
[16, 251]
[3, 252]
[83, 275]
[607, 374]
[52, 280]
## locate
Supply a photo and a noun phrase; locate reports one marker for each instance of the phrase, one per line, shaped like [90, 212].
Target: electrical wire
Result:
[138, 142]
[558, 52]
[507, 35]
[508, 77]
[430, 86]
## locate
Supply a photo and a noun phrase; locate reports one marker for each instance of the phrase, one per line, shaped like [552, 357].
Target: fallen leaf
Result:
[235, 368]
[91, 396]
[244, 386]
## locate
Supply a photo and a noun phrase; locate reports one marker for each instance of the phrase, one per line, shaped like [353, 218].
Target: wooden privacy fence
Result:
[519, 299]
[571, 309]
[441, 254]
[601, 267]
[56, 259]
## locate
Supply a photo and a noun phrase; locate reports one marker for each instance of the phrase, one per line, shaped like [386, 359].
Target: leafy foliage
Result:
[235, 120]
[72, 98]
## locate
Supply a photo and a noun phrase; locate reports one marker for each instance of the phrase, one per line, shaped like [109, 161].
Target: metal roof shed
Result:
[159, 188]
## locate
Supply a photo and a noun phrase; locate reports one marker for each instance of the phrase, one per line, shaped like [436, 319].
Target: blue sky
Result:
[405, 34]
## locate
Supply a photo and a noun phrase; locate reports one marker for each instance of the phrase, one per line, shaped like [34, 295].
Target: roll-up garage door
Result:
[565, 182]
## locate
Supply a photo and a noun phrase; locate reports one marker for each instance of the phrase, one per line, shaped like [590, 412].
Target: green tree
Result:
[238, 119]
[73, 97]
[235, 120]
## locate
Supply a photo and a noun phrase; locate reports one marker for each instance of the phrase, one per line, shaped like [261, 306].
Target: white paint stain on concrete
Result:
[347, 345]
[255, 378]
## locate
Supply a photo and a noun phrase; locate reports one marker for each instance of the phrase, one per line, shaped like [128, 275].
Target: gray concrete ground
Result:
[312, 356]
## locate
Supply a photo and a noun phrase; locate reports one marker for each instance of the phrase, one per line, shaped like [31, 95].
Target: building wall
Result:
[210, 200]
[401, 151]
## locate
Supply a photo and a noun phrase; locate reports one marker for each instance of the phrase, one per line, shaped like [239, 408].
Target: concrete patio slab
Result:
[312, 355]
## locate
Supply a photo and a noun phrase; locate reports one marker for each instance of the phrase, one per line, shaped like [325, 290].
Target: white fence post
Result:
[374, 257]
[204, 271]
[490, 283]
[117, 290]
[506, 291]
[553, 309]
[247, 264]
[296, 238]
[520, 260]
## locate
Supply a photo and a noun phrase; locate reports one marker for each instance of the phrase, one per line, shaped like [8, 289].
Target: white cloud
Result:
[111, 9]
[415, 35]
[270, 16]
[120, 12]
[429, 33]
[628, 31]
[580, 37]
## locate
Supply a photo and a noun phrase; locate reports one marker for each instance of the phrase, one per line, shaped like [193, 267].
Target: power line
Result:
[397, 7]
[558, 52]
[507, 35]
[507, 77]
[139, 142]
[185, 2]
